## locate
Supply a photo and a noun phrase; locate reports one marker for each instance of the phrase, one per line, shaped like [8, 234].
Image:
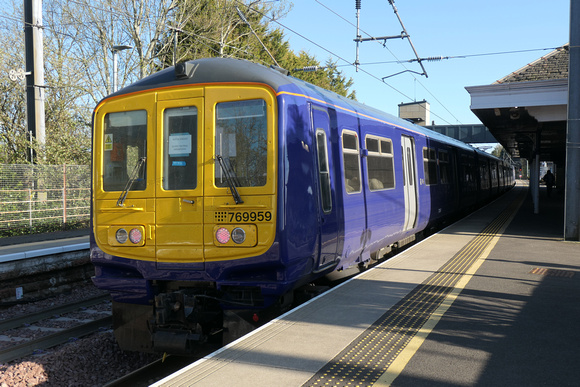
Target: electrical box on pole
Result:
[35, 74]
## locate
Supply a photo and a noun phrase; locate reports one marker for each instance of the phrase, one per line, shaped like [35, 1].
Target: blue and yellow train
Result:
[221, 186]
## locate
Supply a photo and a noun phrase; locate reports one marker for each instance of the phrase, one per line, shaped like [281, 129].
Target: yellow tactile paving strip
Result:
[364, 361]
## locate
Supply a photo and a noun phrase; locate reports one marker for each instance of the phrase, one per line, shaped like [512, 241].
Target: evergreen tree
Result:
[218, 28]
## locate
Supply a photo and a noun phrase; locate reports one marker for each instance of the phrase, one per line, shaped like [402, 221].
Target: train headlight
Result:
[238, 235]
[121, 235]
[222, 235]
[135, 236]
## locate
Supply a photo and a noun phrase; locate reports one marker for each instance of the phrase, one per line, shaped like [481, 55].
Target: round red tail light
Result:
[135, 236]
[222, 235]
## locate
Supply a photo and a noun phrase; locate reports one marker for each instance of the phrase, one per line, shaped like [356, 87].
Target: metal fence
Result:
[37, 196]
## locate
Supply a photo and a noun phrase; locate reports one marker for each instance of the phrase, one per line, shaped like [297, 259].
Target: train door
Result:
[409, 182]
[179, 203]
[328, 225]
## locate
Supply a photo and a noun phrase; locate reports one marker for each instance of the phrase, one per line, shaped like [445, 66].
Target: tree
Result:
[92, 28]
[78, 39]
[14, 141]
[218, 28]
[498, 151]
[67, 111]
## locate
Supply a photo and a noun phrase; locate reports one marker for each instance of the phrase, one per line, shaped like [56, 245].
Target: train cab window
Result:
[241, 139]
[444, 169]
[430, 166]
[323, 171]
[180, 148]
[351, 160]
[125, 150]
[380, 164]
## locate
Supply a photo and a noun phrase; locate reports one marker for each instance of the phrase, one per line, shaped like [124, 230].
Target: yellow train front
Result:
[184, 202]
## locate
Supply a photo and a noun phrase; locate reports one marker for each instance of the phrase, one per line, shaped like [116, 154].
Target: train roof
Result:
[210, 70]
[223, 70]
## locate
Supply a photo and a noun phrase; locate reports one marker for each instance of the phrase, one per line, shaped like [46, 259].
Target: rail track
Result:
[36, 332]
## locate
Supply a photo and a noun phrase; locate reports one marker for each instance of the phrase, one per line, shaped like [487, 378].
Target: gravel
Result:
[90, 361]
[78, 293]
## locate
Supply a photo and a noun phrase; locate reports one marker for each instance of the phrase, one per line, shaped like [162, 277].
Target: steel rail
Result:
[48, 313]
[29, 347]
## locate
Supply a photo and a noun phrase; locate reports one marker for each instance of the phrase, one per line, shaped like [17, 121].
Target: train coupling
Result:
[183, 320]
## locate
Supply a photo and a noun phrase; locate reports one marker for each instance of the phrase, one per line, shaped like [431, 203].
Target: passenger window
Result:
[323, 171]
[124, 145]
[494, 175]
[241, 139]
[351, 160]
[180, 148]
[430, 166]
[484, 172]
[469, 172]
[380, 164]
[444, 169]
[410, 167]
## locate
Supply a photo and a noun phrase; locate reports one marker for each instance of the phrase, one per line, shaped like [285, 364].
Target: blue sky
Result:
[437, 28]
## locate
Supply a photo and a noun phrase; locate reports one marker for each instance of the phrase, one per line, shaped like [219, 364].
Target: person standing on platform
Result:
[549, 179]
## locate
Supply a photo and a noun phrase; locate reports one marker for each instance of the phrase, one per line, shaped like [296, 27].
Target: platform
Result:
[38, 245]
[493, 299]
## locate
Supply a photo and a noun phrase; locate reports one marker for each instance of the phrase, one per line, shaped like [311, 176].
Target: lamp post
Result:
[115, 51]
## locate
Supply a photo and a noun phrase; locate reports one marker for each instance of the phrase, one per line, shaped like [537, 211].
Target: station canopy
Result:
[528, 105]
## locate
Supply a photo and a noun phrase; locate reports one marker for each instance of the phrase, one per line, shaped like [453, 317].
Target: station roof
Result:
[528, 104]
[551, 66]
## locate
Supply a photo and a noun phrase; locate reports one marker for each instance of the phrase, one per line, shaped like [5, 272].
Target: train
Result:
[220, 187]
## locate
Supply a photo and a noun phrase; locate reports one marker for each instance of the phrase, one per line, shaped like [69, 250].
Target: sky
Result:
[485, 41]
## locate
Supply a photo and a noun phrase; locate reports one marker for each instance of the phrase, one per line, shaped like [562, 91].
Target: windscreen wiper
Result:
[130, 181]
[229, 175]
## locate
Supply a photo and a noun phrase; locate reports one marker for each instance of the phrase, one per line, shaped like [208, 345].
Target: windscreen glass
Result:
[241, 139]
[124, 145]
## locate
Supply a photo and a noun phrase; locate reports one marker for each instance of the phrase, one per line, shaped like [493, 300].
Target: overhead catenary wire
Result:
[450, 57]
[348, 63]
[243, 17]
[392, 2]
[417, 58]
[118, 11]
[115, 13]
[357, 5]
[148, 19]
[331, 53]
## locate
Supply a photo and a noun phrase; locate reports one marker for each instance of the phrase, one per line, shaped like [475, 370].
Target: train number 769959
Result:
[250, 216]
